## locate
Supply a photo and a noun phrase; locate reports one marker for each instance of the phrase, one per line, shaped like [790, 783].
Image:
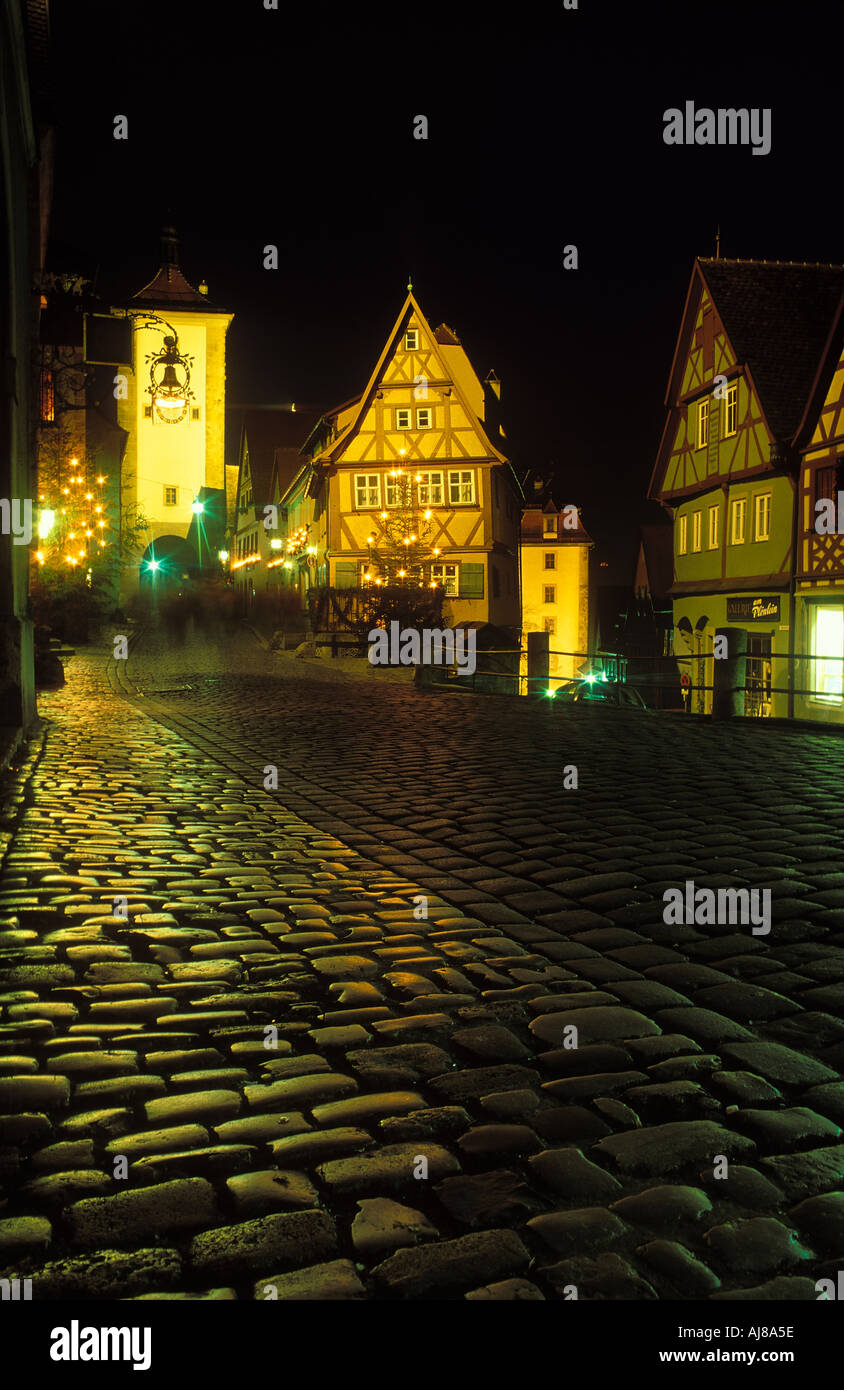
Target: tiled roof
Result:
[777, 316]
[169, 286]
[270, 431]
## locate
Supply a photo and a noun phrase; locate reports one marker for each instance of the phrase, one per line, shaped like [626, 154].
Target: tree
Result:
[401, 556]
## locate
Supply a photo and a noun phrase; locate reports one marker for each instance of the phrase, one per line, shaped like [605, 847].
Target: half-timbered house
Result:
[751, 338]
[819, 596]
[423, 434]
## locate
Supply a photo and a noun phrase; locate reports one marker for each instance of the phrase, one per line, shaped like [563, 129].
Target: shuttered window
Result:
[471, 581]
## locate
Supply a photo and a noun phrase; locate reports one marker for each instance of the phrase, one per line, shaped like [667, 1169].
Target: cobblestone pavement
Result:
[423, 1127]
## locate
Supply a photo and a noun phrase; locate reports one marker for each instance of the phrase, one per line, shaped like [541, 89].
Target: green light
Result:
[550, 693]
[590, 679]
[197, 508]
[224, 555]
[153, 565]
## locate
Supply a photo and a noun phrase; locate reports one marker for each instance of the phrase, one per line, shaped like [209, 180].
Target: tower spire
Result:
[718, 242]
[169, 247]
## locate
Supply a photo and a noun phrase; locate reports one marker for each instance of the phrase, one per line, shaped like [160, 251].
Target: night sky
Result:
[249, 127]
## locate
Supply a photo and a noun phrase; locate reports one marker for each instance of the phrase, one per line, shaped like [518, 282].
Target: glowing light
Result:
[590, 679]
[275, 543]
[66, 491]
[75, 463]
[101, 480]
[384, 516]
[312, 550]
[402, 574]
[550, 693]
[46, 522]
[224, 555]
[197, 508]
[418, 477]
[288, 564]
[428, 516]
[153, 565]
[89, 496]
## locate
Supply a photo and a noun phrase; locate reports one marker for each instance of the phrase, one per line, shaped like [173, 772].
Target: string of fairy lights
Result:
[73, 528]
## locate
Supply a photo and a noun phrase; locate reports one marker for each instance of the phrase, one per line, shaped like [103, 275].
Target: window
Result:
[762, 516]
[549, 625]
[825, 483]
[447, 577]
[471, 580]
[403, 419]
[549, 593]
[147, 412]
[367, 490]
[549, 526]
[194, 413]
[731, 409]
[393, 488]
[431, 489]
[411, 339]
[48, 396]
[461, 486]
[697, 530]
[703, 423]
[713, 527]
[828, 648]
[423, 418]
[682, 535]
[170, 496]
[550, 560]
[738, 514]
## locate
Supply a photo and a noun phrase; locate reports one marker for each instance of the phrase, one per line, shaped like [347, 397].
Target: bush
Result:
[64, 603]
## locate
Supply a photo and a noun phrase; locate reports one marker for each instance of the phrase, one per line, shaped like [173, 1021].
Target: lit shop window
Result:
[828, 647]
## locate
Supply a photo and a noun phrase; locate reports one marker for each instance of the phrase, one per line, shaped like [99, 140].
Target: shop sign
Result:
[765, 608]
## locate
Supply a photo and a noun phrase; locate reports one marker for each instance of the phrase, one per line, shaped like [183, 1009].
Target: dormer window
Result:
[411, 340]
[549, 526]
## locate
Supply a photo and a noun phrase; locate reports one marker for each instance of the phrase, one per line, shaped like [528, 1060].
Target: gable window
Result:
[825, 483]
[731, 409]
[549, 593]
[697, 530]
[549, 526]
[762, 516]
[403, 419]
[703, 423]
[170, 497]
[367, 490]
[461, 486]
[423, 418]
[549, 625]
[738, 516]
[431, 489]
[411, 339]
[446, 576]
[682, 535]
[713, 527]
[550, 560]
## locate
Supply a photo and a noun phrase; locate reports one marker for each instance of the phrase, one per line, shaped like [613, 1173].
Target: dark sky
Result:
[294, 127]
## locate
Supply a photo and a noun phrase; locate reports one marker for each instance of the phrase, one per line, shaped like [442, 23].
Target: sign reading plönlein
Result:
[767, 606]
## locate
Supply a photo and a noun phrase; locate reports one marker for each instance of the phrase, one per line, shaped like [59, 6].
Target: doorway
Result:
[757, 696]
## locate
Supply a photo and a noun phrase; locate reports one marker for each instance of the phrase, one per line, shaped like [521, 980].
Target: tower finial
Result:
[718, 242]
[169, 246]
[409, 285]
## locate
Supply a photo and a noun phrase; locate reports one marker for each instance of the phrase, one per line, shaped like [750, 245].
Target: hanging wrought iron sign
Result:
[170, 387]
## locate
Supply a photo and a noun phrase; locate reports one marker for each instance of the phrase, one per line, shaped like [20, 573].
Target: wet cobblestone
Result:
[234, 1056]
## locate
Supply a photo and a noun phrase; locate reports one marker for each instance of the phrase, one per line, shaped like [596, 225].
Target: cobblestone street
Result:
[423, 1127]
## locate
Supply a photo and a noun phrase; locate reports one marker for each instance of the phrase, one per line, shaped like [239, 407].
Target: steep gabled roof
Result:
[169, 286]
[777, 316]
[456, 369]
[267, 432]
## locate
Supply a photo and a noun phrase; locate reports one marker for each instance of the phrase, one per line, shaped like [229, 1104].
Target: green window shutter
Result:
[346, 574]
[471, 581]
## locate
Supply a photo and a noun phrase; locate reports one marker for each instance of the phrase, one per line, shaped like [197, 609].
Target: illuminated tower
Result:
[173, 411]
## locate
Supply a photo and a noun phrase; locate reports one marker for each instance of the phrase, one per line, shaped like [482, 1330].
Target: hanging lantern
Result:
[170, 382]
